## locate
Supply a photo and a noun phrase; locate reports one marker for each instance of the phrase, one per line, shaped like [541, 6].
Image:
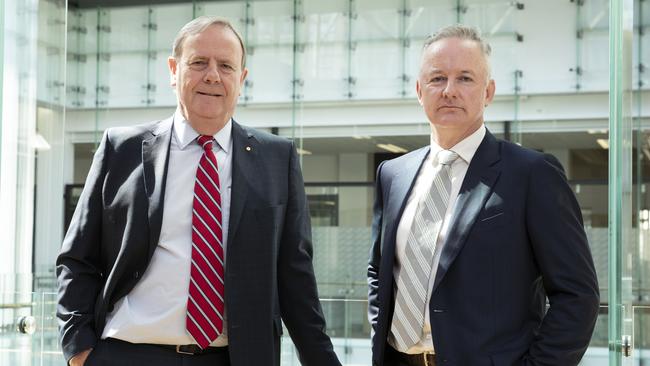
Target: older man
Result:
[191, 240]
[471, 234]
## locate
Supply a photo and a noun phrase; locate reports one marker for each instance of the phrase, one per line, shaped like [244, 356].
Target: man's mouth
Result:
[210, 94]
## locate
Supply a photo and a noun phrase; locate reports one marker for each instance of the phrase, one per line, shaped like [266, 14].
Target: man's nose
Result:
[450, 89]
[212, 73]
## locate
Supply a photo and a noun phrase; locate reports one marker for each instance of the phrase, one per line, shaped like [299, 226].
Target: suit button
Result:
[136, 274]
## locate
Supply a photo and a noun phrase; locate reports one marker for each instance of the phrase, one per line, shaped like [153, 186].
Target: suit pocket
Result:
[490, 219]
[493, 218]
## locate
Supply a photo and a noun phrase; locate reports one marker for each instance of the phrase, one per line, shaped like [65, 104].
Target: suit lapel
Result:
[155, 157]
[244, 159]
[396, 195]
[481, 176]
[400, 189]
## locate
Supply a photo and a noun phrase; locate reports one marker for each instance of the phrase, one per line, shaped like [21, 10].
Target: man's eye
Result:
[197, 64]
[437, 79]
[465, 78]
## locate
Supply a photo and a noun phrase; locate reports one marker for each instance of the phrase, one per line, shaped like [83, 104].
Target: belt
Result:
[192, 349]
[418, 359]
[424, 359]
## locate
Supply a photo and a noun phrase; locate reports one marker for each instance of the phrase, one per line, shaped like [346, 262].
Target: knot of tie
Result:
[447, 157]
[205, 142]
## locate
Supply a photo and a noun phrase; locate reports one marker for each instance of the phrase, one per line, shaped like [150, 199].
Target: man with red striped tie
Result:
[191, 241]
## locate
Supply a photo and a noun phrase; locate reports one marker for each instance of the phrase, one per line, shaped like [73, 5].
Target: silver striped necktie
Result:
[412, 282]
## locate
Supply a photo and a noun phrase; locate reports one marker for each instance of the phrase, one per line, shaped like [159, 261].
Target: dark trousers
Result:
[392, 357]
[113, 352]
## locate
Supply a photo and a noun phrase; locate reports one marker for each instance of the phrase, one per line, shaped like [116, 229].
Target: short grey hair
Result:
[462, 32]
[200, 24]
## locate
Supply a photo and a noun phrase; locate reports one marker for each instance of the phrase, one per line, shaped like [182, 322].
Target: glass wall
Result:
[33, 96]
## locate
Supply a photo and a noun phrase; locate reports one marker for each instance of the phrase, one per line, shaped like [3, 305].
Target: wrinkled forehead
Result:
[215, 38]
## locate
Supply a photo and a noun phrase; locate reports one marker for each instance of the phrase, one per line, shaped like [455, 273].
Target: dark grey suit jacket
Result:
[269, 273]
[516, 238]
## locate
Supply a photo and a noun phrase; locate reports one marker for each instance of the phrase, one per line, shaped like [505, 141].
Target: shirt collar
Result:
[466, 148]
[185, 134]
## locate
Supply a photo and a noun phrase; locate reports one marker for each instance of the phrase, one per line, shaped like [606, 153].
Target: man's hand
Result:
[80, 358]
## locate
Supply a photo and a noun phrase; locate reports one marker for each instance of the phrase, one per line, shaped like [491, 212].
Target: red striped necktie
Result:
[205, 303]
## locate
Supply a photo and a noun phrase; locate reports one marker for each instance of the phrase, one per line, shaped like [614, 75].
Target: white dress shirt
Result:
[465, 149]
[155, 310]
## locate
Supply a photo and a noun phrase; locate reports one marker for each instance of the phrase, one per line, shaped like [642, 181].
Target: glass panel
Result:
[2, 73]
[48, 330]
[597, 353]
[33, 95]
[323, 56]
[29, 332]
[594, 61]
[375, 36]
[641, 259]
[78, 91]
[622, 242]
[348, 327]
[19, 95]
[125, 81]
[641, 324]
[166, 20]
[427, 16]
[270, 45]
[16, 348]
[102, 68]
[642, 50]
[124, 50]
[494, 18]
[47, 140]
[341, 219]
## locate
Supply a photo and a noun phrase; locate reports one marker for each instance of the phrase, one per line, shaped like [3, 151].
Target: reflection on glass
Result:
[22, 349]
[341, 239]
[641, 337]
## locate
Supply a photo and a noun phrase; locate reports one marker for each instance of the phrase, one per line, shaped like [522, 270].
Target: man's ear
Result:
[244, 73]
[489, 92]
[418, 90]
[173, 68]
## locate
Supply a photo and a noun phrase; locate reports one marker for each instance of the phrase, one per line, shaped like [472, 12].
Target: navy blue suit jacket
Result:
[269, 274]
[516, 238]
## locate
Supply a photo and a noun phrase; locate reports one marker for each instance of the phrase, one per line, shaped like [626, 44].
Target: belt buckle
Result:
[179, 350]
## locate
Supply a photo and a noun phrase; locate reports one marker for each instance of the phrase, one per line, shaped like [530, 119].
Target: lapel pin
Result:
[248, 148]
